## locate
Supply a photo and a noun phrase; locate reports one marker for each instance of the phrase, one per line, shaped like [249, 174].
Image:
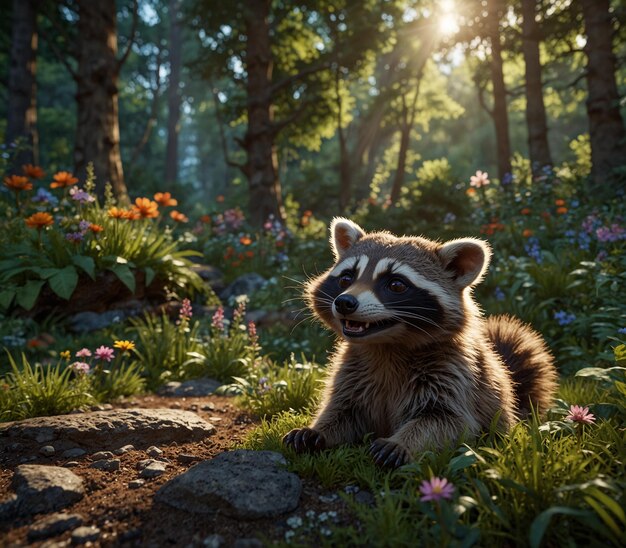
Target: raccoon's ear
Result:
[467, 258]
[343, 235]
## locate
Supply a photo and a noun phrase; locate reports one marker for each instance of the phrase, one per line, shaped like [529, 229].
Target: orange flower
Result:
[205, 219]
[220, 198]
[34, 172]
[131, 214]
[525, 211]
[470, 192]
[559, 202]
[561, 210]
[17, 183]
[245, 240]
[178, 216]
[249, 254]
[527, 233]
[307, 213]
[230, 251]
[146, 208]
[39, 220]
[165, 199]
[95, 228]
[63, 179]
[116, 213]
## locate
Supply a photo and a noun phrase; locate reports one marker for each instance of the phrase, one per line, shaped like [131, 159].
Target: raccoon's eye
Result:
[345, 279]
[397, 286]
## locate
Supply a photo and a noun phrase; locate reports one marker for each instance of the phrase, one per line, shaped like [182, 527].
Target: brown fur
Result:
[421, 383]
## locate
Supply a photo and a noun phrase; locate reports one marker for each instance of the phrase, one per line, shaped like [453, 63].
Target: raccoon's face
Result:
[384, 289]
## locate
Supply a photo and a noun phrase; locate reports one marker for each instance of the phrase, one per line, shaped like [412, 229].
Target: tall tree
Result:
[538, 146]
[22, 84]
[606, 127]
[173, 93]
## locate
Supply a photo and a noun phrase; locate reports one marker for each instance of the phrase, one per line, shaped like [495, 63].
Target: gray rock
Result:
[154, 451]
[242, 484]
[70, 464]
[110, 429]
[108, 465]
[47, 451]
[245, 284]
[187, 458]
[153, 470]
[73, 453]
[53, 525]
[124, 449]
[190, 389]
[214, 541]
[101, 455]
[40, 488]
[84, 534]
[85, 322]
[136, 484]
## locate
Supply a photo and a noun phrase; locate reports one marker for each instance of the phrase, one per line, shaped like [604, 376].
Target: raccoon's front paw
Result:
[305, 439]
[388, 453]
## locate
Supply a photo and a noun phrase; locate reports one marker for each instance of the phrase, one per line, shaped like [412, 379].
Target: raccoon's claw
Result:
[389, 454]
[305, 440]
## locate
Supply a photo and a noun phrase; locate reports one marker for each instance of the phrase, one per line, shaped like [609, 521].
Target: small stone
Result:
[86, 533]
[16, 447]
[143, 463]
[101, 455]
[70, 464]
[175, 405]
[73, 453]
[47, 451]
[207, 407]
[153, 470]
[108, 465]
[327, 499]
[53, 525]
[193, 407]
[366, 498]
[213, 541]
[186, 458]
[215, 419]
[124, 449]
[154, 451]
[247, 543]
[136, 484]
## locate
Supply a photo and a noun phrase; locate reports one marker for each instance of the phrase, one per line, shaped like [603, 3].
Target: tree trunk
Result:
[97, 131]
[606, 128]
[405, 133]
[173, 95]
[345, 178]
[22, 85]
[538, 146]
[262, 163]
[500, 114]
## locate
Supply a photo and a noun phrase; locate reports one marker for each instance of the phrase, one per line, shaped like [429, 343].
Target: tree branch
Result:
[295, 77]
[59, 55]
[131, 38]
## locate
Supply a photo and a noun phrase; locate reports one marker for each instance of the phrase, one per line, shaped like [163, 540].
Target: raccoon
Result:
[417, 365]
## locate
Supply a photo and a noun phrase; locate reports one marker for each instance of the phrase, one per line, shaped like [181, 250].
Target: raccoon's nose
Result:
[346, 304]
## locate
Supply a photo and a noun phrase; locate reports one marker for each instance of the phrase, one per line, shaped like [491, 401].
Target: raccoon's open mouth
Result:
[352, 328]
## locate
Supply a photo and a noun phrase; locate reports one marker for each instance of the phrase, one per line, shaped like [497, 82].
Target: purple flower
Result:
[622, 330]
[104, 353]
[563, 317]
[499, 294]
[83, 353]
[80, 196]
[218, 319]
[80, 367]
[83, 226]
[580, 414]
[75, 237]
[436, 489]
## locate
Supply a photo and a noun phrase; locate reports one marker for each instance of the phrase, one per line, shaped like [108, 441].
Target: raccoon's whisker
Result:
[418, 317]
[402, 320]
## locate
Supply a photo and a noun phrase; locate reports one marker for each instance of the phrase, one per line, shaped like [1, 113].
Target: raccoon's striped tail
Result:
[526, 355]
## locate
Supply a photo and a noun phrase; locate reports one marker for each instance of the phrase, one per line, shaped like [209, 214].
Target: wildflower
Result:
[613, 233]
[80, 367]
[104, 353]
[245, 240]
[561, 210]
[206, 219]
[436, 489]
[580, 414]
[165, 199]
[507, 179]
[252, 333]
[83, 353]
[449, 218]
[480, 179]
[533, 249]
[65, 354]
[39, 220]
[525, 211]
[34, 172]
[96, 228]
[80, 196]
[75, 237]
[249, 254]
[17, 183]
[559, 203]
[146, 208]
[124, 346]
[219, 199]
[185, 313]
[45, 197]
[499, 294]
[622, 330]
[83, 226]
[563, 317]
[218, 319]
[527, 233]
[240, 311]
[179, 217]
[63, 179]
[470, 192]
[131, 215]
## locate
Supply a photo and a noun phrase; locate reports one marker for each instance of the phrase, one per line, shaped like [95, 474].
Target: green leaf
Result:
[64, 282]
[26, 296]
[620, 353]
[462, 461]
[6, 298]
[150, 274]
[125, 274]
[85, 263]
[541, 522]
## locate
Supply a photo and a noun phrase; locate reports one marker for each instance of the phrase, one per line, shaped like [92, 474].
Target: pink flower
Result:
[83, 353]
[218, 319]
[185, 312]
[104, 353]
[436, 489]
[80, 367]
[480, 179]
[580, 414]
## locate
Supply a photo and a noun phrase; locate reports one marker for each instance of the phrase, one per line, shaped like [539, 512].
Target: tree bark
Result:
[22, 85]
[345, 178]
[97, 132]
[173, 94]
[261, 166]
[500, 114]
[606, 128]
[538, 146]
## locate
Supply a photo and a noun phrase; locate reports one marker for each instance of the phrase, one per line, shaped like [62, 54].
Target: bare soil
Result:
[130, 517]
